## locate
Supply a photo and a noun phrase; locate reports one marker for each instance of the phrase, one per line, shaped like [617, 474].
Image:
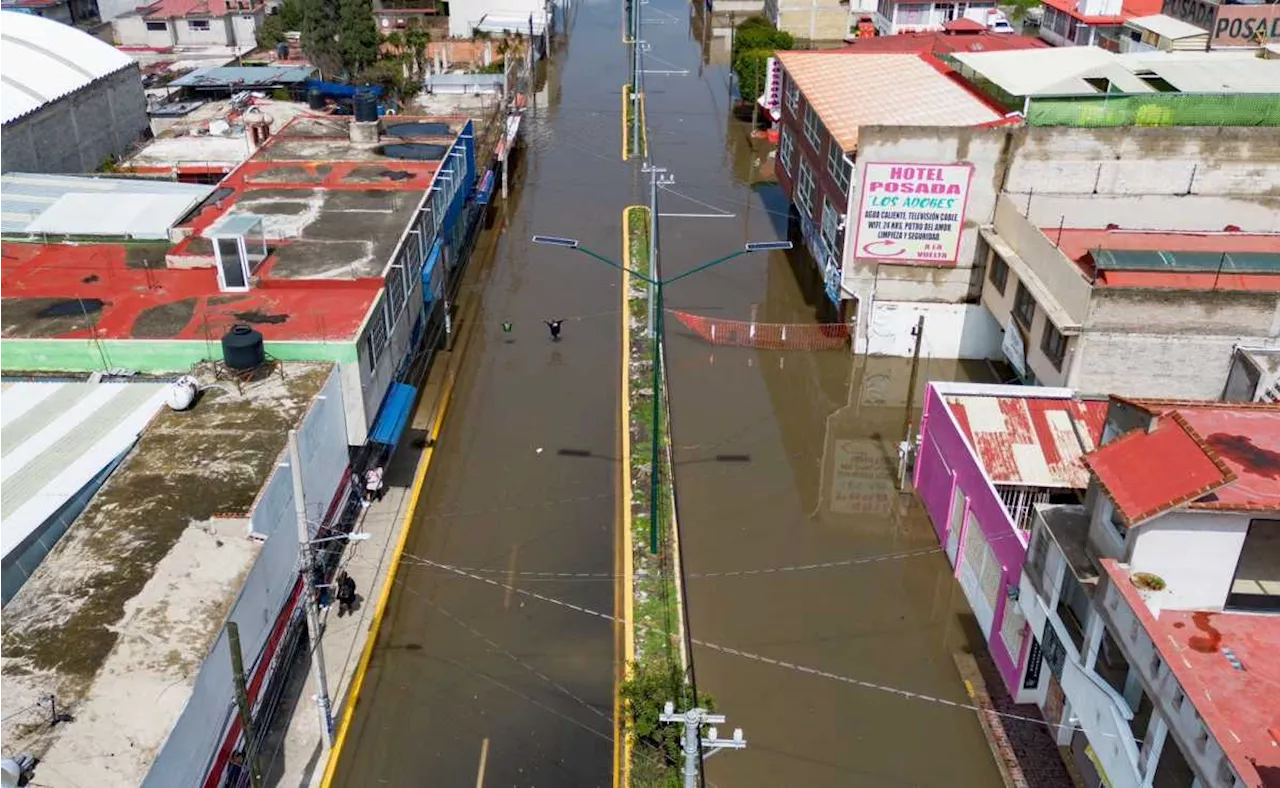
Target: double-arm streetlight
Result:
[657, 285]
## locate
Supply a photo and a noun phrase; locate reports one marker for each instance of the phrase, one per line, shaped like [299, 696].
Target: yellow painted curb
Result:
[357, 681]
[644, 136]
[626, 137]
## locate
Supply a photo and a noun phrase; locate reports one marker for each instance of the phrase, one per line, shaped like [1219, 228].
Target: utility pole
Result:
[242, 702]
[657, 179]
[309, 595]
[693, 720]
[904, 449]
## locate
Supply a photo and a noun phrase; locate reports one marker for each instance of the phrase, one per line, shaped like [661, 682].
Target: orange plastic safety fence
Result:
[766, 336]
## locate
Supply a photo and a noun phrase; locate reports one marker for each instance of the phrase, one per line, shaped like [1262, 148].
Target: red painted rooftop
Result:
[1147, 472]
[1079, 245]
[962, 40]
[304, 289]
[1129, 10]
[170, 9]
[1238, 706]
[1030, 441]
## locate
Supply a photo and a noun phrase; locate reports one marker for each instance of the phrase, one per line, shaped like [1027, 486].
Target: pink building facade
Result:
[988, 454]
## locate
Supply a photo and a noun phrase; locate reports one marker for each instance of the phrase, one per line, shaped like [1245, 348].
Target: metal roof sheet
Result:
[45, 60]
[243, 76]
[56, 437]
[1167, 26]
[1031, 441]
[86, 205]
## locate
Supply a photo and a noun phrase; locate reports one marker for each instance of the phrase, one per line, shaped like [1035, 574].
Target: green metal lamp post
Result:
[658, 286]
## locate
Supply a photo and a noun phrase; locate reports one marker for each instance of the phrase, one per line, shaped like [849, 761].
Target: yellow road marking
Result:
[357, 680]
[484, 760]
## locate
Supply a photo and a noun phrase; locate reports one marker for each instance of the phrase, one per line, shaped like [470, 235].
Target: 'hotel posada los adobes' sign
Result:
[912, 213]
[1228, 25]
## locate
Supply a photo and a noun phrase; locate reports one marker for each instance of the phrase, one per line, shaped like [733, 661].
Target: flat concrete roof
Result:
[119, 618]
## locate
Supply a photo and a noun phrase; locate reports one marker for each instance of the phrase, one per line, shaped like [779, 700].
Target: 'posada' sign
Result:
[912, 213]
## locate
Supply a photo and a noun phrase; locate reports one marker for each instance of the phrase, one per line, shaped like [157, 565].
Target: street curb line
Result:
[384, 596]
[644, 140]
[628, 546]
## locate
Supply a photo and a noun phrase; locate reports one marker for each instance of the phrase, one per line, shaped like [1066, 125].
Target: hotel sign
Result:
[1228, 25]
[912, 213]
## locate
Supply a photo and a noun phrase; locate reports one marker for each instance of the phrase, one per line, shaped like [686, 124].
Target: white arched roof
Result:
[45, 60]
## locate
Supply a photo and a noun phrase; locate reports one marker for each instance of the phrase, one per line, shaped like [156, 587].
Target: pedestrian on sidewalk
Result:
[554, 325]
[373, 487]
[346, 593]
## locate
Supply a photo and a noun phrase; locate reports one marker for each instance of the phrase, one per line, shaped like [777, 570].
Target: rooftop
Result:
[1167, 27]
[1092, 70]
[119, 617]
[1202, 455]
[1237, 706]
[950, 40]
[244, 77]
[176, 9]
[1032, 441]
[78, 205]
[332, 211]
[1149, 472]
[56, 437]
[45, 60]
[850, 90]
[1129, 8]
[208, 138]
[1190, 261]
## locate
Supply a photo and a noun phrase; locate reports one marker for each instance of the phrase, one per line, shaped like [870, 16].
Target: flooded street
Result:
[469, 680]
[782, 459]
[788, 459]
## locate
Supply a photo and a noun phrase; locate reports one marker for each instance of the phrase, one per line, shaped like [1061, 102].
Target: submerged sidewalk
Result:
[299, 760]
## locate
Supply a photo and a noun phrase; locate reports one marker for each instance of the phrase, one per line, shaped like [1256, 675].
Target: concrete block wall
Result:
[80, 131]
[1183, 366]
[814, 21]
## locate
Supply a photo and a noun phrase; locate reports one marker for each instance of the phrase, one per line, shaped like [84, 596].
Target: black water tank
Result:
[315, 99]
[366, 107]
[242, 348]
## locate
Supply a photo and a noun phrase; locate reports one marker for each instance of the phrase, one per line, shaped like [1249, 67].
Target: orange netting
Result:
[767, 336]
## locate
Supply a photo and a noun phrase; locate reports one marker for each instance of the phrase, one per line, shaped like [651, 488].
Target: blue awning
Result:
[485, 190]
[430, 286]
[394, 415]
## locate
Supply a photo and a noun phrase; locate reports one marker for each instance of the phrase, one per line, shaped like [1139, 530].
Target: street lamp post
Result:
[658, 286]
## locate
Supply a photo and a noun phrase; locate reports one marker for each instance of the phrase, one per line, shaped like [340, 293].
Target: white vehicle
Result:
[997, 22]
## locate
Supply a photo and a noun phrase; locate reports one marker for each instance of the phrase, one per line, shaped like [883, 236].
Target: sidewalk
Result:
[302, 759]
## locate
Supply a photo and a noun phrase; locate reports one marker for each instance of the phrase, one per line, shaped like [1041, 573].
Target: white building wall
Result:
[244, 29]
[218, 34]
[950, 330]
[1195, 552]
[465, 15]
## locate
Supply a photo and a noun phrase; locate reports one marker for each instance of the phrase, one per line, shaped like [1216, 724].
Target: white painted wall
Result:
[950, 330]
[464, 15]
[132, 31]
[1194, 551]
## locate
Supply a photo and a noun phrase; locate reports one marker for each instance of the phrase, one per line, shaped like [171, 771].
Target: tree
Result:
[358, 35]
[416, 38]
[287, 19]
[320, 35]
[753, 44]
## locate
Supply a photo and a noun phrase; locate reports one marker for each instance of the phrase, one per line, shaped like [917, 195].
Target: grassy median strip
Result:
[658, 667]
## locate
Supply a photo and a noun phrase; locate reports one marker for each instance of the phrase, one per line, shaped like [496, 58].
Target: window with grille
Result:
[838, 167]
[157, 27]
[786, 149]
[376, 338]
[1024, 306]
[395, 291]
[793, 96]
[813, 128]
[804, 189]
[201, 25]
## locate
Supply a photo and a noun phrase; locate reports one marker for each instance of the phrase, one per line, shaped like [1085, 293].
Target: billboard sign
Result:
[772, 97]
[1194, 12]
[912, 213]
[1228, 25]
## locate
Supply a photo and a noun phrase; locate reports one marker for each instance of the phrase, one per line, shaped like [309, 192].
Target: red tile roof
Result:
[171, 9]
[921, 43]
[1031, 441]
[1148, 472]
[1237, 706]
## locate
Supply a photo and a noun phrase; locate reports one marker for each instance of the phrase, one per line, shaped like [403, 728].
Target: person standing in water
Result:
[554, 325]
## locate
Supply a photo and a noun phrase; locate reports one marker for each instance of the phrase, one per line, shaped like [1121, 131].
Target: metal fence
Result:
[1156, 109]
